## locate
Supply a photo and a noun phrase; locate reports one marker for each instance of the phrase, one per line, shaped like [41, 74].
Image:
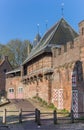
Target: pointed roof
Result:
[59, 34]
[5, 59]
[36, 39]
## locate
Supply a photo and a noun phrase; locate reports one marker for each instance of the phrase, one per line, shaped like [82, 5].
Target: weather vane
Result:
[62, 9]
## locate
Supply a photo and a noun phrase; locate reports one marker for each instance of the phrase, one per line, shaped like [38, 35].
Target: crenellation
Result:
[68, 46]
[81, 27]
[72, 45]
[59, 51]
[65, 48]
[62, 49]
[56, 51]
[76, 42]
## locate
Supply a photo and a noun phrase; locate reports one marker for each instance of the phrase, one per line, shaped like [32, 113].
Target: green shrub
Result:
[44, 103]
[34, 97]
[51, 105]
[64, 111]
[39, 99]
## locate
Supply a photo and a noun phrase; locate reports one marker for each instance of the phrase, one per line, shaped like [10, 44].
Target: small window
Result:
[20, 90]
[5, 70]
[11, 90]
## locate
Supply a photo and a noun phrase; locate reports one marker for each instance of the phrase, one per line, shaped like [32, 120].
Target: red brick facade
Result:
[36, 82]
[14, 83]
[56, 76]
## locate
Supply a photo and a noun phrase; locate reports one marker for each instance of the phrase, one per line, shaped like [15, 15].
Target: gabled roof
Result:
[5, 59]
[59, 34]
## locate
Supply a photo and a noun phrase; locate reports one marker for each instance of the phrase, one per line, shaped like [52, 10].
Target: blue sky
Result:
[19, 18]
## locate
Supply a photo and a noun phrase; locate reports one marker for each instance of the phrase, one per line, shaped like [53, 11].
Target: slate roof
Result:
[59, 34]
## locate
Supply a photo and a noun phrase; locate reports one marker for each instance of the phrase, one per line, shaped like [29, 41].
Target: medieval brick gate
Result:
[58, 95]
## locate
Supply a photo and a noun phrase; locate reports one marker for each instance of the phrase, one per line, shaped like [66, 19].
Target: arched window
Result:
[78, 68]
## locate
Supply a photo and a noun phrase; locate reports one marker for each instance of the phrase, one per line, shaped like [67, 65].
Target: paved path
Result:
[24, 104]
[28, 111]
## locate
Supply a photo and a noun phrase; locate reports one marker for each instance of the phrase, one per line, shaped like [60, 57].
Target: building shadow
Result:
[78, 89]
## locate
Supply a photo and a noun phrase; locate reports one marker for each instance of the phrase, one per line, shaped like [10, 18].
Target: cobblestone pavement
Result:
[33, 126]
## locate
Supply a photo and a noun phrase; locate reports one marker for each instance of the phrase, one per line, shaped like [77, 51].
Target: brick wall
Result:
[64, 64]
[38, 87]
[43, 61]
[14, 83]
